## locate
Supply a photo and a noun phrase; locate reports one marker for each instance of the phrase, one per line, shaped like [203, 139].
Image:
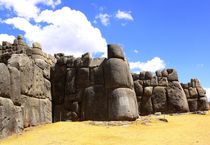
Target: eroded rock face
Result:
[25, 89]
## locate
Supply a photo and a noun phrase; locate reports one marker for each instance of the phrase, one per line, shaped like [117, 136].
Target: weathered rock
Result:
[82, 79]
[146, 102]
[5, 89]
[138, 88]
[116, 74]
[203, 104]
[84, 61]
[163, 81]
[148, 75]
[187, 93]
[201, 91]
[142, 75]
[159, 99]
[114, 51]
[193, 105]
[26, 67]
[47, 89]
[15, 85]
[70, 87]
[158, 73]
[10, 118]
[177, 101]
[95, 103]
[122, 104]
[193, 92]
[172, 75]
[58, 80]
[164, 73]
[135, 76]
[154, 81]
[96, 62]
[96, 75]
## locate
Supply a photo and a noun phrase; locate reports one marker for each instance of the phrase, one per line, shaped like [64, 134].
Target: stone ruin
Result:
[37, 88]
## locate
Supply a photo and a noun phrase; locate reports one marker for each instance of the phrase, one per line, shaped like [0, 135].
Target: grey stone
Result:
[177, 100]
[193, 104]
[97, 62]
[82, 79]
[154, 81]
[201, 92]
[138, 88]
[70, 87]
[148, 75]
[172, 75]
[15, 85]
[114, 51]
[164, 73]
[203, 104]
[95, 103]
[96, 75]
[163, 81]
[158, 73]
[135, 76]
[193, 92]
[184, 86]
[187, 93]
[117, 74]
[159, 99]
[142, 75]
[5, 83]
[122, 104]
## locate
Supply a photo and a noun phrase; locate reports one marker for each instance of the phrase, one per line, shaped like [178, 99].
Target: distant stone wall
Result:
[93, 89]
[25, 88]
[163, 92]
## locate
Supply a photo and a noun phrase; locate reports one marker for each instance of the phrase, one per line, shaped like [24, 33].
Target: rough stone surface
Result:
[114, 51]
[117, 74]
[177, 101]
[159, 99]
[4, 81]
[122, 104]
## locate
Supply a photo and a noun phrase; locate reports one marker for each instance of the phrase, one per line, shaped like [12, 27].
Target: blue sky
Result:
[155, 34]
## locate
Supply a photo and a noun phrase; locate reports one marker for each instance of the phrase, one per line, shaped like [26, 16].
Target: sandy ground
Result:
[188, 129]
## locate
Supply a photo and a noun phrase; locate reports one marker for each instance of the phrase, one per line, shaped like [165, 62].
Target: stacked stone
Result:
[159, 93]
[70, 78]
[93, 89]
[122, 103]
[25, 93]
[196, 96]
[18, 47]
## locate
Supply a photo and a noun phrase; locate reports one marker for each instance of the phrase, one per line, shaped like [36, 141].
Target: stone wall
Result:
[25, 88]
[37, 88]
[163, 93]
[93, 89]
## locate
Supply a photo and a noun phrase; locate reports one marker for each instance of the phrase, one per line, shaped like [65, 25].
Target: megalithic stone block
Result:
[114, 51]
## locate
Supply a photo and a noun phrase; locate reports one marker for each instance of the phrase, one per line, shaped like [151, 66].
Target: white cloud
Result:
[104, 18]
[135, 51]
[6, 37]
[208, 93]
[152, 65]
[27, 8]
[125, 15]
[67, 31]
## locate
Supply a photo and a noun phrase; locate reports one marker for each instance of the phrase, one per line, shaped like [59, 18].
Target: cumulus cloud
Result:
[104, 18]
[152, 65]
[135, 51]
[124, 15]
[27, 8]
[64, 30]
[208, 93]
[6, 37]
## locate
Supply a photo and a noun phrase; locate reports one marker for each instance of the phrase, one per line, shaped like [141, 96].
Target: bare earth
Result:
[188, 129]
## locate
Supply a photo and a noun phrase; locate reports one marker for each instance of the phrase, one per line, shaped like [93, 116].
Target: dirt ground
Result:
[190, 129]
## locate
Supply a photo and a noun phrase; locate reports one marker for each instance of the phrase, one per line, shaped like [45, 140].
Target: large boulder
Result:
[122, 104]
[15, 85]
[26, 67]
[94, 105]
[82, 79]
[10, 118]
[96, 75]
[159, 99]
[5, 89]
[193, 104]
[172, 75]
[177, 100]
[146, 102]
[117, 74]
[70, 87]
[203, 104]
[138, 88]
[114, 51]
